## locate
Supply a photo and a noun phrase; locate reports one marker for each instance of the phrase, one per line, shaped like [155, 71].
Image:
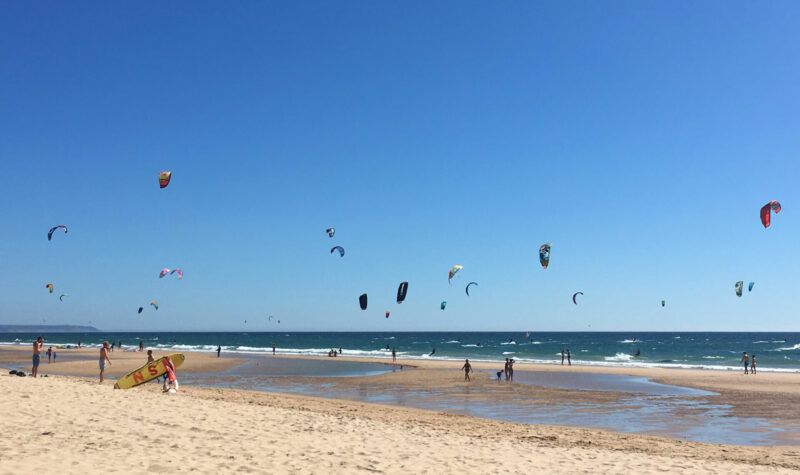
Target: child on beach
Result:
[753, 364]
[499, 375]
[150, 358]
[171, 383]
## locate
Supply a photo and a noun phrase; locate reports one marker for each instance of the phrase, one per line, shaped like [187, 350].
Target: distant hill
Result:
[47, 329]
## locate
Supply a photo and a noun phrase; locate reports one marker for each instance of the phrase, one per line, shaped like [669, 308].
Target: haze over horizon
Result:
[639, 139]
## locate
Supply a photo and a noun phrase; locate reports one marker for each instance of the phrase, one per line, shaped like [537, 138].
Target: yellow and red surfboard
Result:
[148, 372]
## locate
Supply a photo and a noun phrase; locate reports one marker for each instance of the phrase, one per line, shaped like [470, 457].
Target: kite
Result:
[362, 301]
[453, 271]
[738, 288]
[50, 287]
[467, 289]
[443, 304]
[330, 231]
[164, 178]
[387, 314]
[574, 296]
[544, 255]
[663, 303]
[773, 206]
[401, 292]
[53, 229]
[166, 271]
[270, 318]
[154, 303]
[750, 286]
[140, 309]
[61, 297]
[338, 248]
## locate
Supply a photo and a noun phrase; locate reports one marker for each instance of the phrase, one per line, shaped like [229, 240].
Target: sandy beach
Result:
[72, 424]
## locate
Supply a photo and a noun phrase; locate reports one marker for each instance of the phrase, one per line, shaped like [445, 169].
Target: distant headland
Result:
[47, 329]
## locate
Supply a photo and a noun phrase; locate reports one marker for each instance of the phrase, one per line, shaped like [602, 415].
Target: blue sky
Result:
[640, 138]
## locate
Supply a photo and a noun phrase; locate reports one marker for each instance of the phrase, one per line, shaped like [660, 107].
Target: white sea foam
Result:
[713, 357]
[509, 343]
[619, 357]
[628, 341]
[509, 352]
[453, 341]
[789, 348]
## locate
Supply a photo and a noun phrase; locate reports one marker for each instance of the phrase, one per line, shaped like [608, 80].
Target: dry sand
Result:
[74, 425]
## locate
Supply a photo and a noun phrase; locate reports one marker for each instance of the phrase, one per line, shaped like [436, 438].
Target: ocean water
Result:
[715, 350]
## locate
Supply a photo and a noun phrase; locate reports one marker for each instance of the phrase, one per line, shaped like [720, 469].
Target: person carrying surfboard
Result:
[171, 384]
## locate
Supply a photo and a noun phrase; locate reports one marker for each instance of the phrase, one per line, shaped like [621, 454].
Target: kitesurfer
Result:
[433, 352]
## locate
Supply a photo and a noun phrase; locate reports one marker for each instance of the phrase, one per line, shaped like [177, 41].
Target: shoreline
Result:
[375, 358]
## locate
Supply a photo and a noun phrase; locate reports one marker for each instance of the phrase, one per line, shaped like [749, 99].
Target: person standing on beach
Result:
[746, 361]
[38, 345]
[150, 358]
[505, 369]
[54, 356]
[219, 350]
[511, 370]
[569, 358]
[273, 349]
[753, 364]
[49, 353]
[467, 369]
[562, 356]
[103, 359]
[394, 355]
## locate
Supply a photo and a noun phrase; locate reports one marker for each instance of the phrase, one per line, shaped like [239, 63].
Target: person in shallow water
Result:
[746, 361]
[467, 369]
[569, 358]
[562, 356]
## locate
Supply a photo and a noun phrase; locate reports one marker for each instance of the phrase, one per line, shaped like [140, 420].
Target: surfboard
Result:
[148, 372]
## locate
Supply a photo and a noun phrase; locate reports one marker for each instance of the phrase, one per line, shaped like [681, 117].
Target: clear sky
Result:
[640, 138]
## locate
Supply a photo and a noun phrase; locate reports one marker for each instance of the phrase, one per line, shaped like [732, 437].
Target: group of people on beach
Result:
[568, 356]
[749, 361]
[332, 353]
[508, 370]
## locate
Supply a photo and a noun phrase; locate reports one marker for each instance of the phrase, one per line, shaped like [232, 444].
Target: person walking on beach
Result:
[150, 358]
[219, 350]
[562, 356]
[49, 353]
[394, 355]
[54, 356]
[38, 345]
[273, 349]
[467, 369]
[569, 358]
[103, 359]
[746, 361]
[753, 364]
[141, 345]
[112, 346]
